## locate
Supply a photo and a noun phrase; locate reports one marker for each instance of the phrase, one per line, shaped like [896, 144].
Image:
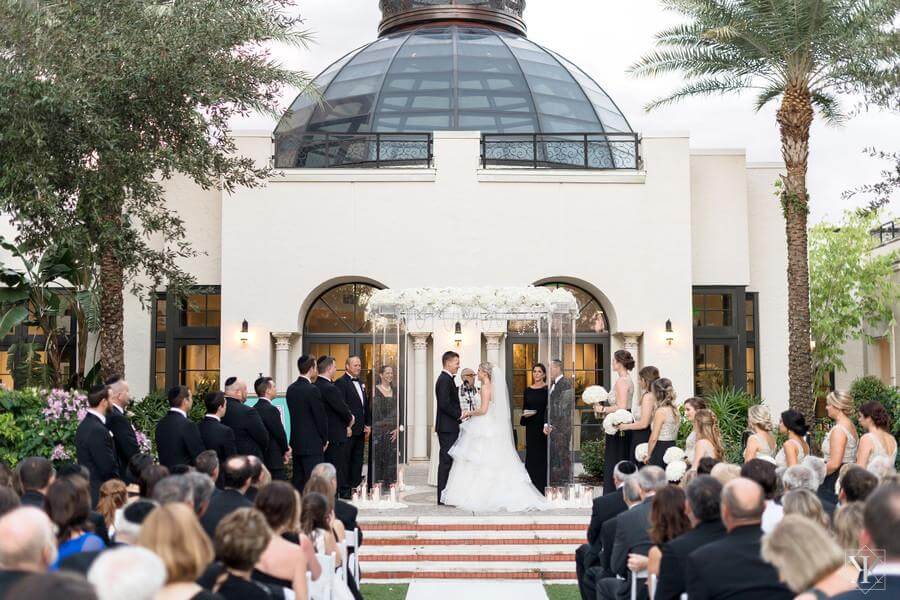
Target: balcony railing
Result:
[361, 151]
[591, 151]
[886, 233]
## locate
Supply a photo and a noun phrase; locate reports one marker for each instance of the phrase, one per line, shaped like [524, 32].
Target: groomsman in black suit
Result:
[178, 440]
[279, 451]
[249, 431]
[355, 396]
[118, 423]
[217, 437]
[449, 413]
[309, 425]
[94, 446]
[340, 419]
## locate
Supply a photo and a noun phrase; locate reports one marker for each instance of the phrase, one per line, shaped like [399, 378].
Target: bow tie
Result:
[354, 379]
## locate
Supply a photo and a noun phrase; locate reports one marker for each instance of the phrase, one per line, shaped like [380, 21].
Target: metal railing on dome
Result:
[592, 151]
[392, 7]
[363, 151]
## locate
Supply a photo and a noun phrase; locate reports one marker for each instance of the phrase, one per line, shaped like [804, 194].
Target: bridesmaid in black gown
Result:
[535, 438]
[617, 445]
[643, 411]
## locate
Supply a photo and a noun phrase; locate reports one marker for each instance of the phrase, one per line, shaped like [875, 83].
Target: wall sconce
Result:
[670, 335]
[457, 334]
[245, 332]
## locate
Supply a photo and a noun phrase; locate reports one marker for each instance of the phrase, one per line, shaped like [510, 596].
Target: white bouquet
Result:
[675, 470]
[595, 394]
[614, 419]
[673, 454]
[640, 452]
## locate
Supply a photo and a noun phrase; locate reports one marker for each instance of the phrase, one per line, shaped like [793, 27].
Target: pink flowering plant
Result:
[49, 431]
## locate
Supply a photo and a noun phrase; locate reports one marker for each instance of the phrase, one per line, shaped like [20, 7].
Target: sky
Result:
[604, 37]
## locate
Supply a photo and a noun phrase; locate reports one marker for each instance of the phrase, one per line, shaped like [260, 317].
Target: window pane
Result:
[213, 310]
[160, 314]
[212, 358]
[748, 313]
[5, 376]
[751, 370]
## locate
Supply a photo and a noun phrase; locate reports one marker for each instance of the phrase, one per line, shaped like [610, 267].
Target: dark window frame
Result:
[175, 336]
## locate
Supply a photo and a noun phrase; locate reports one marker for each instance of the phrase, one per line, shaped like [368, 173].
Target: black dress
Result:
[383, 451]
[616, 447]
[535, 440]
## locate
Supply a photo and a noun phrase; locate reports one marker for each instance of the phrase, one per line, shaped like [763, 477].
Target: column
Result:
[631, 343]
[418, 408]
[282, 359]
[492, 347]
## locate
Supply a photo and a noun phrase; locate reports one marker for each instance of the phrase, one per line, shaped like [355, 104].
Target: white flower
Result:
[676, 470]
[595, 394]
[616, 418]
[673, 454]
[640, 452]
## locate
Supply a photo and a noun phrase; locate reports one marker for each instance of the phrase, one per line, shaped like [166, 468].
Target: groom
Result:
[449, 413]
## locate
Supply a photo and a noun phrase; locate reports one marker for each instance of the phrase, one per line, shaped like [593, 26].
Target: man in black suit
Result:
[340, 419]
[94, 443]
[605, 508]
[215, 435]
[118, 423]
[178, 440]
[449, 413]
[237, 473]
[733, 567]
[703, 509]
[309, 425]
[278, 452]
[27, 545]
[357, 400]
[250, 433]
[36, 474]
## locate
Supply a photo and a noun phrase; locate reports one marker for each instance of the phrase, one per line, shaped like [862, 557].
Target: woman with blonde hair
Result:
[665, 424]
[802, 501]
[113, 496]
[709, 438]
[691, 406]
[840, 444]
[174, 534]
[815, 569]
[642, 411]
[848, 523]
[761, 441]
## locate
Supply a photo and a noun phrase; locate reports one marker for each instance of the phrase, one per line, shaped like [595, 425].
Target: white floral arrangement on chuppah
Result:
[595, 394]
[613, 420]
[437, 302]
[641, 451]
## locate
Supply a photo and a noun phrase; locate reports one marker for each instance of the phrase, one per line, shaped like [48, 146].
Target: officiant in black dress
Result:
[534, 415]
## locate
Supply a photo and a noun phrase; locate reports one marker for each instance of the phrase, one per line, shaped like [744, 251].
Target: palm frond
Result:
[828, 107]
[767, 95]
[703, 87]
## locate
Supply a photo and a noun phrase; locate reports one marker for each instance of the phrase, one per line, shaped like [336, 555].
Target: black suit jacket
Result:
[278, 442]
[124, 439]
[250, 434]
[449, 411]
[605, 508]
[339, 416]
[309, 425]
[217, 437]
[671, 583]
[891, 586]
[32, 498]
[178, 440]
[8, 579]
[632, 530]
[732, 567]
[95, 450]
[607, 539]
[220, 506]
[346, 513]
[360, 408]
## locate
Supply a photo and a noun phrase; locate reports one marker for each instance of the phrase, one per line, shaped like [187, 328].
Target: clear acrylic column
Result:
[561, 405]
[387, 395]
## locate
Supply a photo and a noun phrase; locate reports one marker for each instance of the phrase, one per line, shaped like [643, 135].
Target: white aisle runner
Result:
[459, 590]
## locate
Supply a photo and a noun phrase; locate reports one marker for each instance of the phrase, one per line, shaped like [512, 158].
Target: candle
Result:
[355, 498]
[393, 494]
[376, 492]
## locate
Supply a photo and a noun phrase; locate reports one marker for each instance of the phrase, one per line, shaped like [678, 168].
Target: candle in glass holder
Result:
[355, 499]
[548, 493]
[376, 492]
[393, 493]
[400, 483]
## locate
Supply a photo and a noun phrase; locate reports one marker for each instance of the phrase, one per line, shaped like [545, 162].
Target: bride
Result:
[487, 475]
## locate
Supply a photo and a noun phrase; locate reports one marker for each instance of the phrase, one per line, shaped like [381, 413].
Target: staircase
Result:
[515, 547]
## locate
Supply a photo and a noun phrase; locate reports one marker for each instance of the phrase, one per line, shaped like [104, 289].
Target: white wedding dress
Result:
[487, 474]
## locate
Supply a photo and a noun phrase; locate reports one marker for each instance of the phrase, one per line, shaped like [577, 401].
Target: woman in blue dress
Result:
[68, 504]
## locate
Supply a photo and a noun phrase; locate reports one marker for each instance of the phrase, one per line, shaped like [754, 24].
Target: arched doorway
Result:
[591, 362]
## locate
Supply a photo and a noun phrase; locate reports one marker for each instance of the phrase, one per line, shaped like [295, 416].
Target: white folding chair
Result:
[635, 576]
[352, 540]
[320, 589]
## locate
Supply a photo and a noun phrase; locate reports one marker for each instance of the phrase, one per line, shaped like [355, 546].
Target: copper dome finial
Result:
[504, 14]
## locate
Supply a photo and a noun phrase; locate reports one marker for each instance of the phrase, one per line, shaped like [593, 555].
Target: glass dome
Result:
[446, 77]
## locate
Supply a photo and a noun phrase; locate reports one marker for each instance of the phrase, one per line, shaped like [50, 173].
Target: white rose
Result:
[595, 394]
[675, 471]
[673, 454]
[640, 452]
[613, 419]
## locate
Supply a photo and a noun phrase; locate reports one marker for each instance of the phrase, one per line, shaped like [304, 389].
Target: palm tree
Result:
[803, 52]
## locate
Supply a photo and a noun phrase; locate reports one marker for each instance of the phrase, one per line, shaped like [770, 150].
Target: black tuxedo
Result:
[250, 434]
[732, 567]
[361, 408]
[125, 440]
[95, 450]
[220, 438]
[588, 555]
[278, 442]
[178, 440]
[632, 536]
[309, 428]
[346, 513]
[339, 417]
[220, 506]
[671, 583]
[601, 569]
[446, 424]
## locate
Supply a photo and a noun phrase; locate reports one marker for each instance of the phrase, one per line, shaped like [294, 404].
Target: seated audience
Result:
[79, 475]
[819, 468]
[705, 465]
[317, 522]
[725, 472]
[817, 567]
[203, 487]
[174, 488]
[127, 573]
[9, 500]
[27, 545]
[631, 492]
[668, 520]
[35, 476]
[236, 479]
[856, 485]
[732, 567]
[149, 477]
[763, 472]
[135, 466]
[848, 524]
[802, 476]
[68, 505]
[241, 538]
[256, 475]
[344, 511]
[284, 563]
[208, 463]
[113, 496]
[805, 503]
[50, 586]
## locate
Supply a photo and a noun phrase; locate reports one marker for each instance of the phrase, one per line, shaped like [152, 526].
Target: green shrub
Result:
[869, 388]
[730, 407]
[592, 458]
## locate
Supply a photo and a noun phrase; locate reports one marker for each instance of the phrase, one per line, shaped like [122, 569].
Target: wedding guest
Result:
[818, 466]
[53, 585]
[356, 398]
[178, 439]
[642, 410]
[35, 474]
[618, 445]
[173, 533]
[631, 492]
[277, 453]
[709, 439]
[761, 441]
[135, 466]
[878, 439]
[703, 510]
[840, 443]
[68, 505]
[534, 415]
[256, 475]
[725, 472]
[691, 406]
[207, 463]
[203, 488]
[763, 473]
[309, 425]
[668, 520]
[317, 522]
[9, 500]
[732, 567]
[283, 563]
[117, 421]
[857, 484]
[236, 479]
[795, 448]
[240, 540]
[174, 488]
[113, 496]
[215, 435]
[706, 464]
[666, 421]
[848, 523]
[127, 573]
[804, 502]
[340, 419]
[250, 435]
[93, 443]
[385, 428]
[27, 545]
[345, 512]
[150, 476]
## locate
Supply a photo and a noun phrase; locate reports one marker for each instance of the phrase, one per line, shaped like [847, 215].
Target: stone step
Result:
[471, 541]
[480, 535]
[401, 576]
[381, 526]
[468, 557]
[472, 551]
